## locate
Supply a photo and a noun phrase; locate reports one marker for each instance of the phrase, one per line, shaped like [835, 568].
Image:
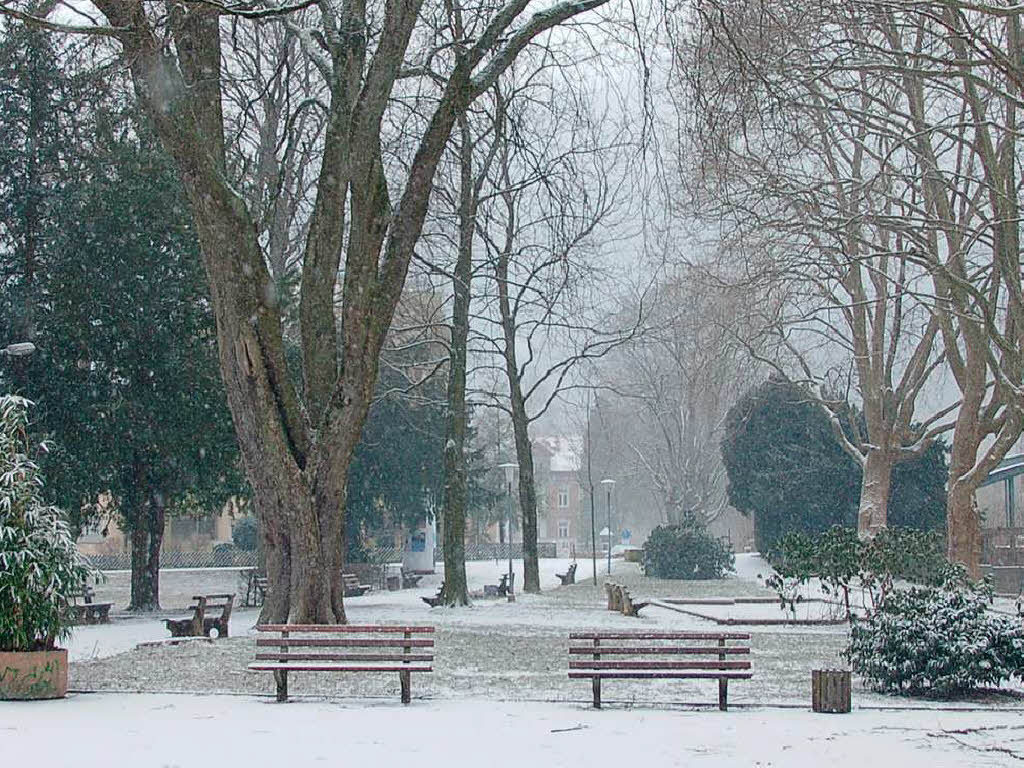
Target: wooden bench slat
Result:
[269, 667]
[343, 657]
[659, 664]
[667, 675]
[659, 636]
[339, 628]
[330, 642]
[609, 650]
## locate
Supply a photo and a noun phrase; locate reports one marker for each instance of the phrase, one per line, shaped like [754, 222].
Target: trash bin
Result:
[394, 583]
[830, 690]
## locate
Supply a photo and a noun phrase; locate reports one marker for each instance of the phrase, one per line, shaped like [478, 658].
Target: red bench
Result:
[354, 648]
[641, 655]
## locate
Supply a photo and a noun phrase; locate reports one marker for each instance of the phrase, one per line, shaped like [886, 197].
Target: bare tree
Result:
[554, 186]
[812, 162]
[669, 388]
[297, 443]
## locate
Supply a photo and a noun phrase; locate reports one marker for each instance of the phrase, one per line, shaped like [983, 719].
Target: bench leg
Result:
[406, 681]
[723, 694]
[597, 691]
[281, 678]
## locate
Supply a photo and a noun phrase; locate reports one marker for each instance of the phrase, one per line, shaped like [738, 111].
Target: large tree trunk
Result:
[527, 491]
[875, 488]
[964, 528]
[455, 486]
[963, 523]
[147, 535]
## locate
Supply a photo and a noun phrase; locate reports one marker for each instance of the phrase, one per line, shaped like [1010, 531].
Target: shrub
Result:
[840, 559]
[936, 640]
[685, 552]
[40, 569]
[244, 533]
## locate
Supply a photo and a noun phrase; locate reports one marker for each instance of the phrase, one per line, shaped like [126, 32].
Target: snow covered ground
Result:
[493, 650]
[164, 731]
[499, 694]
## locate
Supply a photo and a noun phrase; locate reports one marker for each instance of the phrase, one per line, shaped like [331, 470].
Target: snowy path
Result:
[162, 731]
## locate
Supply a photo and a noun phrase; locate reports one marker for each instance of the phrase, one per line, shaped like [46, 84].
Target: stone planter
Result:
[34, 674]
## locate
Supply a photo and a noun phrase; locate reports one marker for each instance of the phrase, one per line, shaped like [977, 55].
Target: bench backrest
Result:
[224, 602]
[352, 646]
[87, 594]
[652, 651]
[364, 573]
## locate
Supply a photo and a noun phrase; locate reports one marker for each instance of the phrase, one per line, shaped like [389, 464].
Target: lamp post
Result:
[608, 484]
[19, 349]
[510, 472]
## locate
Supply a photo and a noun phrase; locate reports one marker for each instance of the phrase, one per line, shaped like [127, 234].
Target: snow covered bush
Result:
[39, 567]
[685, 552]
[841, 560]
[937, 640]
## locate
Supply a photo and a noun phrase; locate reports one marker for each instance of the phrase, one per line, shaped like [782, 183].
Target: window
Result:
[563, 498]
[563, 529]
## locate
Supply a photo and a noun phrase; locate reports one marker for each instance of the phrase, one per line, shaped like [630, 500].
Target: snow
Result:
[492, 650]
[97, 641]
[167, 731]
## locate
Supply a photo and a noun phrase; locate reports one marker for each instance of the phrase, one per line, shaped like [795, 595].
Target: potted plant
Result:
[40, 569]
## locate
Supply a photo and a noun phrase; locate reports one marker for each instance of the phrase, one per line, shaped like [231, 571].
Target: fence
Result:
[230, 557]
[501, 551]
[233, 558]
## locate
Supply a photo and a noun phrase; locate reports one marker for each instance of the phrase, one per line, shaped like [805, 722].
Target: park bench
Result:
[371, 574]
[641, 656]
[501, 589]
[88, 612]
[410, 579]
[351, 586]
[569, 577]
[255, 587]
[356, 648]
[506, 586]
[199, 624]
[434, 601]
[620, 600]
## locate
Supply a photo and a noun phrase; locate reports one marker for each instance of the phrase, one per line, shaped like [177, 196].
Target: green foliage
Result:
[841, 560]
[245, 533]
[40, 568]
[107, 282]
[937, 640]
[685, 552]
[787, 469]
[397, 470]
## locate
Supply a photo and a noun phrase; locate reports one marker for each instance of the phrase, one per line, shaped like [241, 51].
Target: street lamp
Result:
[510, 472]
[19, 349]
[608, 484]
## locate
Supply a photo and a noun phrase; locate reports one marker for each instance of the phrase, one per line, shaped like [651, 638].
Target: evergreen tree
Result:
[125, 373]
[786, 468]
